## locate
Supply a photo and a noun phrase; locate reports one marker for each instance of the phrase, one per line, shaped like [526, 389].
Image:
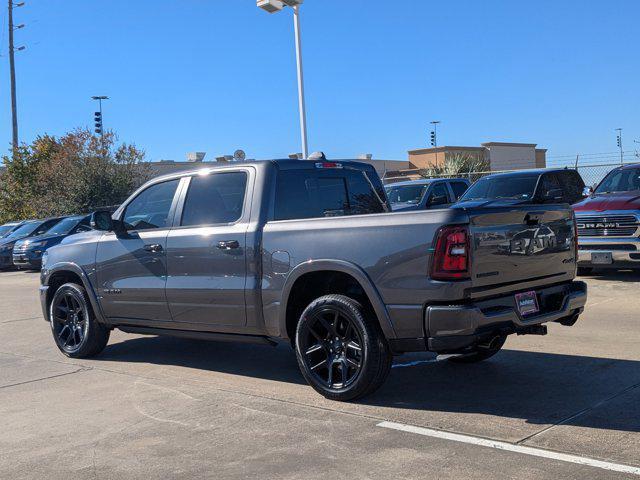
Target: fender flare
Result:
[339, 266]
[86, 283]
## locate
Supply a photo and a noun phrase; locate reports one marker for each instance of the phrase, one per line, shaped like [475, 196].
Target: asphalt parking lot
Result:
[152, 407]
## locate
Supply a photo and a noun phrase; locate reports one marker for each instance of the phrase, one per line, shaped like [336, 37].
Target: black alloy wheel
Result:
[341, 349]
[332, 348]
[69, 321]
[75, 329]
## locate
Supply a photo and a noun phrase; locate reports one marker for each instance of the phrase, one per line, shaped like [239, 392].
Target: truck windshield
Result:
[520, 187]
[406, 193]
[626, 180]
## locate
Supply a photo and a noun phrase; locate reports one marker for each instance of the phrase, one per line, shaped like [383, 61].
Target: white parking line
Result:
[536, 452]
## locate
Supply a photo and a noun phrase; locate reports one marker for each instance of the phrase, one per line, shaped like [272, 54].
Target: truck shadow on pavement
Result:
[542, 388]
[631, 276]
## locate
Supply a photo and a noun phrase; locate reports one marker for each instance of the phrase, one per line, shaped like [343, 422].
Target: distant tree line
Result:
[75, 173]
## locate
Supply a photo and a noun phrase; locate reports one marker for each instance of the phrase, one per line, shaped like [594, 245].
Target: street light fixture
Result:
[99, 126]
[434, 137]
[271, 6]
[619, 140]
[274, 6]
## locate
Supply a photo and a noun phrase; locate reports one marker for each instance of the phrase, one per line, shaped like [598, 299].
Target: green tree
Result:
[76, 173]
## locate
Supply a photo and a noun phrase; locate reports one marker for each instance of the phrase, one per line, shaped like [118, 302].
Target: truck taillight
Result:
[451, 256]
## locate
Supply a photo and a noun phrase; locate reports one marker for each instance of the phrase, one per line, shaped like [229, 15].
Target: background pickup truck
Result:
[307, 252]
[609, 222]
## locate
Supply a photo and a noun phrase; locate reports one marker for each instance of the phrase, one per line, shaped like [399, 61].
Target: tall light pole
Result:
[619, 138]
[434, 137]
[12, 72]
[273, 6]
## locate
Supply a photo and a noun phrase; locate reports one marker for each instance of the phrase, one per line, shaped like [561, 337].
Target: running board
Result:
[216, 337]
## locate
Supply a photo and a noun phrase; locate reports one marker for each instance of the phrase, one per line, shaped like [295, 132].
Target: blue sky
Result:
[216, 75]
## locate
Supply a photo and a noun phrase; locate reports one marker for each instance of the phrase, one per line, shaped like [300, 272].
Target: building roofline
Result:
[444, 149]
[508, 144]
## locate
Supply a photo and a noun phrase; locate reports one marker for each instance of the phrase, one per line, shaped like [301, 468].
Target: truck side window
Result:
[458, 188]
[438, 195]
[548, 183]
[150, 209]
[572, 184]
[324, 193]
[214, 198]
[362, 198]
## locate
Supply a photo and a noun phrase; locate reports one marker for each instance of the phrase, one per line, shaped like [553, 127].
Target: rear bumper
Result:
[453, 328]
[625, 251]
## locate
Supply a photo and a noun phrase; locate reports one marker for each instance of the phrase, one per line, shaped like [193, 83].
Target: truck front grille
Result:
[607, 225]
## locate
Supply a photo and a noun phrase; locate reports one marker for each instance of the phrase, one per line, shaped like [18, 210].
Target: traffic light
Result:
[98, 122]
[619, 141]
[433, 138]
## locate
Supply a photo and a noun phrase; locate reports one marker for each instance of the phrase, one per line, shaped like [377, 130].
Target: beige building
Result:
[500, 155]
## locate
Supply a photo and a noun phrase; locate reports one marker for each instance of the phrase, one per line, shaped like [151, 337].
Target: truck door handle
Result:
[228, 244]
[155, 248]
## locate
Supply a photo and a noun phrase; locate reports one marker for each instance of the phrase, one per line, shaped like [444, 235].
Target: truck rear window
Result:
[325, 193]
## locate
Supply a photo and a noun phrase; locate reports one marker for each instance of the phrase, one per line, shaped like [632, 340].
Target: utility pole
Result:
[12, 70]
[301, 102]
[274, 6]
[619, 138]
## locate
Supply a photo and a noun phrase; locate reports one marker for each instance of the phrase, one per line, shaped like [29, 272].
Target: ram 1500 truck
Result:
[609, 222]
[309, 253]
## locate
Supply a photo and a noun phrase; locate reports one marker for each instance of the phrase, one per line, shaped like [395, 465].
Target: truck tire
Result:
[582, 271]
[341, 349]
[482, 352]
[75, 329]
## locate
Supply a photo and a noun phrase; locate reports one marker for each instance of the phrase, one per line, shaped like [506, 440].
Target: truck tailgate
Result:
[525, 245]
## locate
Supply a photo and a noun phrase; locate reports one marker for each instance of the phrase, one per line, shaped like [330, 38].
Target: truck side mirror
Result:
[101, 220]
[587, 192]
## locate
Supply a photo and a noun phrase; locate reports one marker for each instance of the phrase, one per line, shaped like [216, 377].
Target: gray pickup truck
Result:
[307, 252]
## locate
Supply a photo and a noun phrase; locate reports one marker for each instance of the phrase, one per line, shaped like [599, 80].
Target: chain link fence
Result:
[591, 174]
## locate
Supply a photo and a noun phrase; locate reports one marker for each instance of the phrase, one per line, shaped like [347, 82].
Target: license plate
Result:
[527, 303]
[601, 258]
